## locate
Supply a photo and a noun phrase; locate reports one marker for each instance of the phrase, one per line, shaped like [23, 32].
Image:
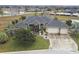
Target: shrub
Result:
[13, 22]
[16, 21]
[69, 22]
[23, 17]
[24, 36]
[3, 37]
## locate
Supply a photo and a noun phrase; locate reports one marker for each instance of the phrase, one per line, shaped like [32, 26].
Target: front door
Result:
[34, 28]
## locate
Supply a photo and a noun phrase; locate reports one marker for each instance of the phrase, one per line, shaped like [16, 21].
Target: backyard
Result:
[4, 21]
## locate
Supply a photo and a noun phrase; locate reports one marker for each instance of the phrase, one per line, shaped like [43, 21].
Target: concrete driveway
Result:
[62, 43]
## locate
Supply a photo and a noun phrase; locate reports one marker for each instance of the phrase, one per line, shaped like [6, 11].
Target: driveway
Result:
[62, 43]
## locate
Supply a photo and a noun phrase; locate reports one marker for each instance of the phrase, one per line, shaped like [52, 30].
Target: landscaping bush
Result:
[24, 37]
[23, 17]
[69, 22]
[13, 22]
[16, 21]
[10, 33]
[3, 37]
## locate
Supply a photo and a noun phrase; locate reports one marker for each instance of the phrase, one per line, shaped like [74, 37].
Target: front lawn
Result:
[11, 45]
[77, 40]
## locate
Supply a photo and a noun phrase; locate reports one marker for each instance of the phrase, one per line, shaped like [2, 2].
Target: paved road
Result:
[62, 43]
[45, 51]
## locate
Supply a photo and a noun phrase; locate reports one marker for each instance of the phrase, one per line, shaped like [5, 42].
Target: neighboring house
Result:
[12, 11]
[53, 26]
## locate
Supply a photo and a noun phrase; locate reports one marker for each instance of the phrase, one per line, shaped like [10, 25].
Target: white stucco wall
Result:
[56, 30]
[6, 12]
[64, 31]
[21, 12]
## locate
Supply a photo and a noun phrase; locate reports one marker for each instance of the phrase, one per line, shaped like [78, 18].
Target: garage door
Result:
[64, 31]
[53, 30]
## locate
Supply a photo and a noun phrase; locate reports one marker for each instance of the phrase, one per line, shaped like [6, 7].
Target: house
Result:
[53, 26]
[12, 11]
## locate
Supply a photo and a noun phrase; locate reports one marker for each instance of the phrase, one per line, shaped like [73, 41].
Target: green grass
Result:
[76, 38]
[11, 45]
[61, 17]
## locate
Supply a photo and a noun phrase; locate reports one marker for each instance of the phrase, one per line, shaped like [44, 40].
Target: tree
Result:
[69, 22]
[42, 13]
[1, 11]
[26, 9]
[13, 22]
[3, 37]
[16, 21]
[23, 17]
[36, 12]
[24, 36]
[55, 12]
[49, 9]
[55, 18]
[43, 28]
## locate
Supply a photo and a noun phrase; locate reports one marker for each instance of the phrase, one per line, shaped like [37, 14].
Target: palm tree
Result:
[43, 28]
[55, 11]
[59, 30]
[36, 12]
[71, 14]
[78, 13]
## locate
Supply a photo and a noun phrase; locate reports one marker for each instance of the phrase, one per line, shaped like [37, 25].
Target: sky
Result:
[39, 2]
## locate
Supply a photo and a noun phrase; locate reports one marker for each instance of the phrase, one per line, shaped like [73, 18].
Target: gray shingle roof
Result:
[56, 23]
[40, 20]
[33, 20]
